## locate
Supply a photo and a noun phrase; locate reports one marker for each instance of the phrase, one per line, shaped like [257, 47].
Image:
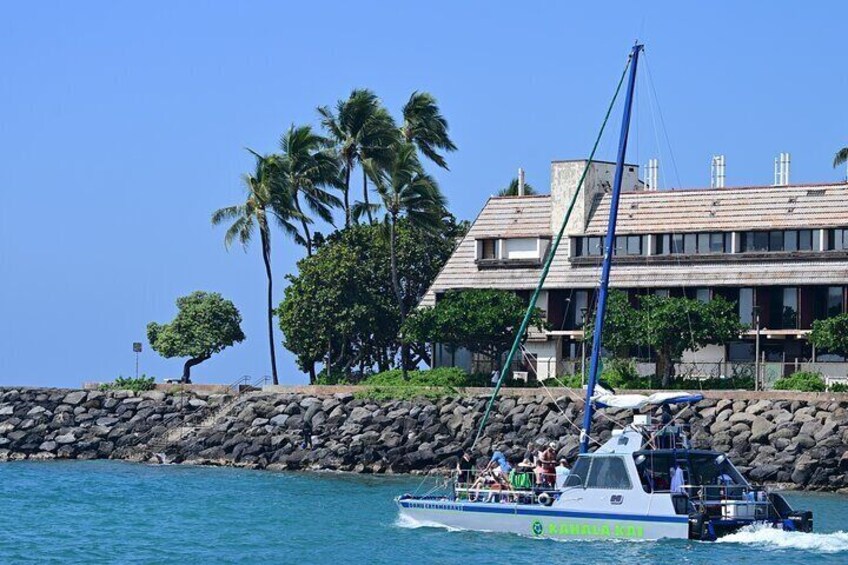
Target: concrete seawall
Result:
[796, 438]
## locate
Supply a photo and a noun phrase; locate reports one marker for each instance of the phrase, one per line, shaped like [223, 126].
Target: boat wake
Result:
[405, 521]
[772, 538]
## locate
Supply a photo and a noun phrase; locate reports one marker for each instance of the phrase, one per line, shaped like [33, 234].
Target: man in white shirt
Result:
[562, 472]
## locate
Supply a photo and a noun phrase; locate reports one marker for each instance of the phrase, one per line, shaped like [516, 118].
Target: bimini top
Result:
[607, 399]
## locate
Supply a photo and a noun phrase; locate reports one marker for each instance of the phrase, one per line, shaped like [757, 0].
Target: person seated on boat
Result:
[465, 468]
[677, 480]
[562, 472]
[546, 466]
[647, 479]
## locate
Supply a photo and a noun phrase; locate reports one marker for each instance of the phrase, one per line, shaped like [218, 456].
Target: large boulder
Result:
[75, 397]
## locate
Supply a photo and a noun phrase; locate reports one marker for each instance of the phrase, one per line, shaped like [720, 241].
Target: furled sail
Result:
[607, 399]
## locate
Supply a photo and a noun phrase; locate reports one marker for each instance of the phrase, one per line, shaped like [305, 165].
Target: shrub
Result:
[139, 384]
[802, 381]
[839, 387]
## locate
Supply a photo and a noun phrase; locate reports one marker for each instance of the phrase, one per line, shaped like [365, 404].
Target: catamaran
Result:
[645, 482]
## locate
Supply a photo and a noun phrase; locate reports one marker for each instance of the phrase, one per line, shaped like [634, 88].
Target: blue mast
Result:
[609, 244]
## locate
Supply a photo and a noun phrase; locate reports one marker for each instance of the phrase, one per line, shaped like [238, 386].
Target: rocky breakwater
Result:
[802, 443]
[65, 424]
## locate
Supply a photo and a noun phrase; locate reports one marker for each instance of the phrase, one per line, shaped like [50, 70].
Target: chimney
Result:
[781, 170]
[652, 172]
[717, 172]
[520, 181]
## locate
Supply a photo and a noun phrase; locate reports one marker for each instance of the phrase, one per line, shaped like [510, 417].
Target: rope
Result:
[532, 305]
[561, 411]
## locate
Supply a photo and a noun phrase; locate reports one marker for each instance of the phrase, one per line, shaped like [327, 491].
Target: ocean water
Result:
[115, 512]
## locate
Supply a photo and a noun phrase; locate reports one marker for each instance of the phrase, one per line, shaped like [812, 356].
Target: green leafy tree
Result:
[482, 321]
[266, 197]
[841, 157]
[364, 132]
[426, 127]
[307, 167]
[831, 335]
[206, 323]
[341, 305]
[512, 189]
[669, 325]
[672, 325]
[413, 195]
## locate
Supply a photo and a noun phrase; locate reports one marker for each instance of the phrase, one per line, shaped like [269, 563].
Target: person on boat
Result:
[465, 468]
[677, 480]
[530, 455]
[499, 463]
[546, 466]
[562, 472]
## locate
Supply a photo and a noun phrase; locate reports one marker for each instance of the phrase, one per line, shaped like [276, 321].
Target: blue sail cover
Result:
[606, 399]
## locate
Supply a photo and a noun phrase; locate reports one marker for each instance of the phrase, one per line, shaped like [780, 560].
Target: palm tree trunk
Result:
[306, 233]
[266, 257]
[396, 286]
[347, 193]
[365, 195]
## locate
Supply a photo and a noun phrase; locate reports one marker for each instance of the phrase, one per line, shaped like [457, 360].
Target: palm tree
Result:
[307, 166]
[426, 127]
[841, 157]
[263, 199]
[512, 189]
[411, 194]
[362, 130]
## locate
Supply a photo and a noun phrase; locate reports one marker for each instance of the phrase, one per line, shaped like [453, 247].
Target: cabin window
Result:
[579, 472]
[608, 472]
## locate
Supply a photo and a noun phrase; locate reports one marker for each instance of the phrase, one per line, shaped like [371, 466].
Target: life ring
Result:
[545, 499]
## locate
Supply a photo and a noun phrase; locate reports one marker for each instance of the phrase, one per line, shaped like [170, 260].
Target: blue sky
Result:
[122, 127]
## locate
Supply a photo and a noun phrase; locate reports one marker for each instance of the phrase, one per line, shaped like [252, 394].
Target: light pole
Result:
[583, 347]
[136, 350]
[756, 312]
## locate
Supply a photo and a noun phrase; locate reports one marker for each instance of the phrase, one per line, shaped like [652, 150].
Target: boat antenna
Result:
[609, 244]
[547, 266]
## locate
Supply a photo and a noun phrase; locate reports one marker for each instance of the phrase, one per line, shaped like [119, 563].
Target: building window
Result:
[784, 308]
[717, 243]
[677, 243]
[835, 302]
[489, 249]
[661, 292]
[837, 239]
[690, 243]
[703, 295]
[805, 240]
[634, 244]
[746, 306]
[703, 243]
[790, 240]
[776, 241]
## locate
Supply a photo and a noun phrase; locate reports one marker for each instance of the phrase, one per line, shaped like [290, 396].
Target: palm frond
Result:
[841, 157]
[512, 189]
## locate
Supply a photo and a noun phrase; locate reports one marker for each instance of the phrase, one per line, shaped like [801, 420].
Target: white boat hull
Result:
[542, 521]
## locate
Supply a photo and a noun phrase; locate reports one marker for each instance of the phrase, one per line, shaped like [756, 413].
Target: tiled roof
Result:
[726, 209]
[756, 208]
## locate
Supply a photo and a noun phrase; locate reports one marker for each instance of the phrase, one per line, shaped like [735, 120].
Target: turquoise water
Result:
[113, 512]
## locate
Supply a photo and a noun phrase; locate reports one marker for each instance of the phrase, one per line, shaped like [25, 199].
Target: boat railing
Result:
[730, 501]
[519, 488]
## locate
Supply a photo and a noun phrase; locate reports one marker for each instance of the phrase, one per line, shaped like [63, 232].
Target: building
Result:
[779, 252]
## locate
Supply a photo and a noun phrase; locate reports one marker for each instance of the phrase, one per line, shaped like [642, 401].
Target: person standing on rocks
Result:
[306, 432]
